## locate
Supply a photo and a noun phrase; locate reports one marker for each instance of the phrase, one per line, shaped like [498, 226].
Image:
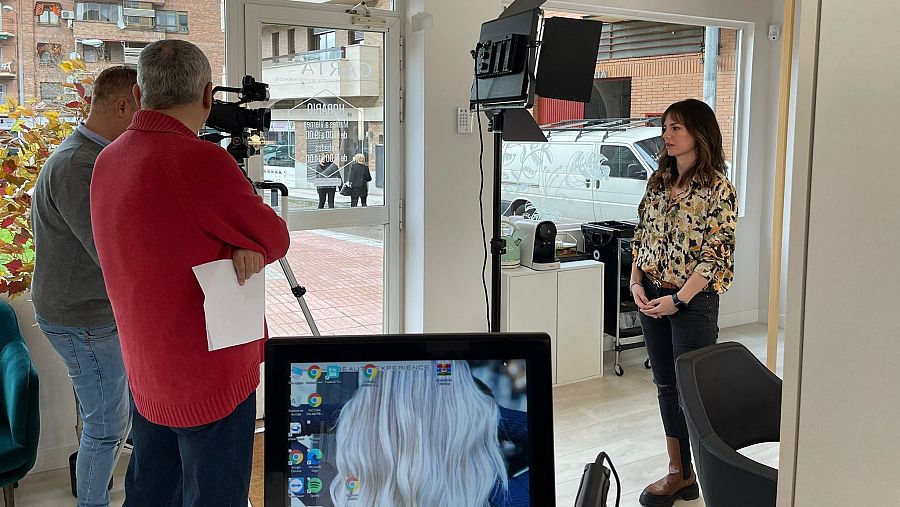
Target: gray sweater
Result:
[68, 287]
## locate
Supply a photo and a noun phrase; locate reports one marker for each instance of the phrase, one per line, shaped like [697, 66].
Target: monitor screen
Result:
[442, 420]
[418, 432]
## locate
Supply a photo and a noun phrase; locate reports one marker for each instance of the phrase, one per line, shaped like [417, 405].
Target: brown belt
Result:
[661, 284]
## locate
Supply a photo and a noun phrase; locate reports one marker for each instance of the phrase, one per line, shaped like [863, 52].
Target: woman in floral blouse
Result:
[683, 259]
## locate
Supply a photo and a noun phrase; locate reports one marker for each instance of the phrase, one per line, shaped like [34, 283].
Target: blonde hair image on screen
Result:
[413, 441]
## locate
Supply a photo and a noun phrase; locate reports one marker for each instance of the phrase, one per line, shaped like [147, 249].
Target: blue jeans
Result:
[203, 466]
[94, 360]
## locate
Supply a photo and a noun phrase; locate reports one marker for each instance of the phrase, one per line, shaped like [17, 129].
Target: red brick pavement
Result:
[344, 277]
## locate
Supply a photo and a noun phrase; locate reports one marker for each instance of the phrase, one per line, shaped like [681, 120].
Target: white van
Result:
[589, 170]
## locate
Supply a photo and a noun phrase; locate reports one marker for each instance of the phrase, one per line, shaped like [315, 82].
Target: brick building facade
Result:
[102, 33]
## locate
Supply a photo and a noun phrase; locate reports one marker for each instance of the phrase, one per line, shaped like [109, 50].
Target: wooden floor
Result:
[618, 415]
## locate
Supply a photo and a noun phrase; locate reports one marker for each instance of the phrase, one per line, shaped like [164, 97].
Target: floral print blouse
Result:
[691, 232]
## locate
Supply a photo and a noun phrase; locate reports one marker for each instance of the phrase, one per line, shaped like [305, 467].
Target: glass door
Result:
[334, 142]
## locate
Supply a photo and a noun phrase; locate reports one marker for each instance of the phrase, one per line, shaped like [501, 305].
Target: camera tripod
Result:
[296, 289]
[233, 122]
[241, 150]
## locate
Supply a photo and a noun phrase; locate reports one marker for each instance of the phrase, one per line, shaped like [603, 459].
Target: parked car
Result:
[587, 171]
[281, 155]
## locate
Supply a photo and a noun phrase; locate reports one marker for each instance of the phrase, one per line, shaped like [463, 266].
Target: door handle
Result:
[587, 183]
[597, 184]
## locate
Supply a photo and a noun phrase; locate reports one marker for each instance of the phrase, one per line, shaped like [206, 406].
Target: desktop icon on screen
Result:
[333, 372]
[314, 372]
[444, 368]
[313, 457]
[296, 371]
[314, 485]
[352, 484]
[315, 399]
[370, 371]
[297, 485]
[295, 457]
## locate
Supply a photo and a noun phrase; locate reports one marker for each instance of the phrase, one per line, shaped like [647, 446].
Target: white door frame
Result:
[243, 55]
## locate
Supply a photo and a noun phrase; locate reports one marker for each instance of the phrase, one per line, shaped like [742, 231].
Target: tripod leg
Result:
[298, 292]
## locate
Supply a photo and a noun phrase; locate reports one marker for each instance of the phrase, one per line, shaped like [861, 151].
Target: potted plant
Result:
[38, 128]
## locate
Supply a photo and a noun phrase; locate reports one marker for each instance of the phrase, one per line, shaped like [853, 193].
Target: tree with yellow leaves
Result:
[37, 130]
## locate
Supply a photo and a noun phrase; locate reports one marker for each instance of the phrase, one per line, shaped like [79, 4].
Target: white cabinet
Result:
[567, 304]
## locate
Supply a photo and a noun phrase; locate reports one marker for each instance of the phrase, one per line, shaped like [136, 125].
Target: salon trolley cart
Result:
[610, 243]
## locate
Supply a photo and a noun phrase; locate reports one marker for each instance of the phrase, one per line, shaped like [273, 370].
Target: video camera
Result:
[230, 120]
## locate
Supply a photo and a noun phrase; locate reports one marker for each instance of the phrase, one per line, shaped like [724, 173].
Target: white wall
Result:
[58, 439]
[443, 289]
[443, 244]
[840, 442]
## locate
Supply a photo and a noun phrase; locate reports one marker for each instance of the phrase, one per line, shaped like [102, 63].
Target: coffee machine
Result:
[537, 243]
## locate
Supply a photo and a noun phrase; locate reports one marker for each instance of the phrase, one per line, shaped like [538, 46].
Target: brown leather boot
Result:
[673, 486]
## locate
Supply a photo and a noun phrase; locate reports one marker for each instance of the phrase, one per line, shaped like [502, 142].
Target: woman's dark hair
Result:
[700, 122]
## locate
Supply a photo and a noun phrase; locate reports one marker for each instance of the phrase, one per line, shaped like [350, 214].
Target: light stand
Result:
[506, 125]
[498, 245]
[505, 85]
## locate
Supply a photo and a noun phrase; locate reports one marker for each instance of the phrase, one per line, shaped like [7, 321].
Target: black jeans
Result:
[326, 192]
[192, 467]
[692, 327]
[357, 198]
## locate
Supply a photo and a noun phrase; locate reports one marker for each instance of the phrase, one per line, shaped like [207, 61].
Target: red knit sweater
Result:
[163, 201]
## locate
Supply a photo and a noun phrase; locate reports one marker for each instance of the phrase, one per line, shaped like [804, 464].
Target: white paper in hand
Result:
[235, 314]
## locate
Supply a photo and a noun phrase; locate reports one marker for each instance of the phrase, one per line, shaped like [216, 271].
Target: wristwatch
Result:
[678, 303]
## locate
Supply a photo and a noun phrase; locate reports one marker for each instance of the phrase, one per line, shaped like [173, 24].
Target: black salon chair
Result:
[730, 401]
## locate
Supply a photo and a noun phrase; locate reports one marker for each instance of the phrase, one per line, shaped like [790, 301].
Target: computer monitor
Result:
[409, 420]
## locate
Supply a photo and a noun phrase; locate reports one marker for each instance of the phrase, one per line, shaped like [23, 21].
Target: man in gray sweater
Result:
[69, 295]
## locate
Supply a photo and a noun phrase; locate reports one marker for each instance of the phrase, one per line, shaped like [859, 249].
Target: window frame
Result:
[137, 4]
[622, 170]
[97, 53]
[50, 16]
[44, 58]
[744, 57]
[187, 29]
[114, 13]
[316, 38]
[173, 16]
[130, 24]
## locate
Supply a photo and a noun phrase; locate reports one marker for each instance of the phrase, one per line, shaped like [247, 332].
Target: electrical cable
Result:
[618, 482]
[487, 303]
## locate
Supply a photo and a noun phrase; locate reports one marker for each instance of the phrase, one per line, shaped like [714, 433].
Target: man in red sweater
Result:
[162, 202]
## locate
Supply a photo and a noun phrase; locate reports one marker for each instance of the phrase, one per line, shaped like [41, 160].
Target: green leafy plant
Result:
[37, 130]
